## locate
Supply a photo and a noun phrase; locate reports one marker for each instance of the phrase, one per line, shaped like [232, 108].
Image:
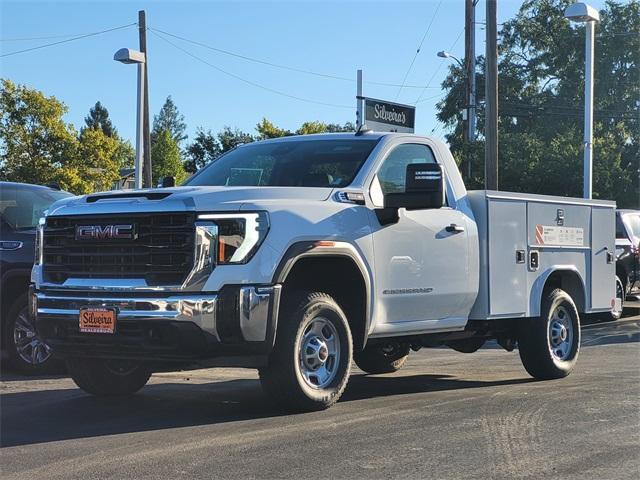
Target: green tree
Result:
[204, 149]
[266, 129]
[169, 119]
[230, 138]
[95, 166]
[35, 142]
[541, 88]
[308, 128]
[99, 118]
[165, 158]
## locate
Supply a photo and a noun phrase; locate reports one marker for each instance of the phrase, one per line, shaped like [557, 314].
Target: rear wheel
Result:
[310, 364]
[382, 357]
[549, 345]
[108, 377]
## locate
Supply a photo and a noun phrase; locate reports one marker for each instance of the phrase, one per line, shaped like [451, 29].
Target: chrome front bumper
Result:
[236, 316]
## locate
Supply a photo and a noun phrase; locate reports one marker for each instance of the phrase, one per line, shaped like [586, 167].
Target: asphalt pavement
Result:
[445, 415]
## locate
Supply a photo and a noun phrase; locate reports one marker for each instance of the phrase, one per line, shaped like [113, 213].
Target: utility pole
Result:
[470, 68]
[146, 137]
[491, 120]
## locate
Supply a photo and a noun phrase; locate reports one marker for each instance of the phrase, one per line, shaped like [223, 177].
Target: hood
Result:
[178, 199]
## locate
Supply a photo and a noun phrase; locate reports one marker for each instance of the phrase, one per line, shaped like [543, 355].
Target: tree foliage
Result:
[35, 143]
[37, 146]
[169, 119]
[165, 158]
[541, 95]
[99, 118]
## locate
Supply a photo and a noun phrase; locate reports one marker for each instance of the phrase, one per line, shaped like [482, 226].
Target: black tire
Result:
[108, 377]
[284, 379]
[620, 293]
[26, 352]
[541, 343]
[386, 357]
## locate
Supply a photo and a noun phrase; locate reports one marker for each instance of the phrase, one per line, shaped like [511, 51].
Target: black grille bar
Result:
[161, 252]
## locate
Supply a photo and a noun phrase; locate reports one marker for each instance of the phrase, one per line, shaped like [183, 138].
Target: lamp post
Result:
[127, 55]
[583, 13]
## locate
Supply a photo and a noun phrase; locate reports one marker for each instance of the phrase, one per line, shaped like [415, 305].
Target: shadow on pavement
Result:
[53, 415]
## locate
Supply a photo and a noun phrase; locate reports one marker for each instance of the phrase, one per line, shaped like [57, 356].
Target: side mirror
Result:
[424, 188]
[168, 182]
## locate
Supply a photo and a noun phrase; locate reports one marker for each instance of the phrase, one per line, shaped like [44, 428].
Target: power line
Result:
[455, 42]
[66, 41]
[413, 60]
[244, 80]
[278, 65]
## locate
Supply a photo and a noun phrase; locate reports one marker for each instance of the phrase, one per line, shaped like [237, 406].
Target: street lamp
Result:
[583, 13]
[443, 54]
[127, 55]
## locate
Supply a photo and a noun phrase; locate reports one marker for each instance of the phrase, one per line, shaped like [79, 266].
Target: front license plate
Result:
[97, 320]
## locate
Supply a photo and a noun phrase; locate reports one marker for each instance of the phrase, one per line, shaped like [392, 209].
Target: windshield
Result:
[312, 163]
[22, 207]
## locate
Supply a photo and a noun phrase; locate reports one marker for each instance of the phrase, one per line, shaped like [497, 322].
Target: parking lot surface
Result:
[445, 415]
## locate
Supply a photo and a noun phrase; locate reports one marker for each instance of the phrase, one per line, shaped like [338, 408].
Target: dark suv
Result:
[627, 253]
[21, 206]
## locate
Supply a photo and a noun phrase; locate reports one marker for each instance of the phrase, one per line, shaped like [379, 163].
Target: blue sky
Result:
[335, 38]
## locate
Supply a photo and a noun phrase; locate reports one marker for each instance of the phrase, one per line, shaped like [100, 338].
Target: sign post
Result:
[359, 98]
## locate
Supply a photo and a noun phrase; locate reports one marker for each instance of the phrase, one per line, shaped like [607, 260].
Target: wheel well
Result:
[570, 282]
[339, 277]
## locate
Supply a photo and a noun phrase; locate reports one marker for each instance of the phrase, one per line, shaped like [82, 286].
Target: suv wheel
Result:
[28, 354]
[310, 364]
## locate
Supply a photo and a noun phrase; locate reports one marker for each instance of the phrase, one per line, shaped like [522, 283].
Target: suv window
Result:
[393, 172]
[21, 207]
[633, 221]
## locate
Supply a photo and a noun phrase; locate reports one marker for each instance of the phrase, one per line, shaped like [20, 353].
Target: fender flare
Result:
[328, 248]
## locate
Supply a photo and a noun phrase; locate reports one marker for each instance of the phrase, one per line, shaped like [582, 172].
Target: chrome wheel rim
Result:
[319, 353]
[561, 333]
[30, 348]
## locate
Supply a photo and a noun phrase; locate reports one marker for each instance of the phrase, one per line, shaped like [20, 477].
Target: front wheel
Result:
[549, 345]
[311, 361]
[108, 377]
[27, 353]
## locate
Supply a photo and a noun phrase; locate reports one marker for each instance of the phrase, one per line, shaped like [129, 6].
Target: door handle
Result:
[453, 228]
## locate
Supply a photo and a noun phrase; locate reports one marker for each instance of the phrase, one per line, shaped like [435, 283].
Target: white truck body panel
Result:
[566, 234]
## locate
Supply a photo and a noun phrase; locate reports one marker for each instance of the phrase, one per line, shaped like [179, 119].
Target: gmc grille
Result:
[161, 252]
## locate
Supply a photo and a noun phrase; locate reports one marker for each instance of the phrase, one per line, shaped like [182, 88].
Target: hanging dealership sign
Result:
[383, 116]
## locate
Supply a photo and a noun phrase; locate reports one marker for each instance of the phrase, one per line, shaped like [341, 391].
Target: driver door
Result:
[421, 268]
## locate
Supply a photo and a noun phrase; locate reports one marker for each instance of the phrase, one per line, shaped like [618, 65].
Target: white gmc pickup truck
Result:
[296, 256]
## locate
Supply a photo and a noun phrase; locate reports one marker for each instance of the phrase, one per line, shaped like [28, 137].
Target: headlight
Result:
[39, 241]
[239, 235]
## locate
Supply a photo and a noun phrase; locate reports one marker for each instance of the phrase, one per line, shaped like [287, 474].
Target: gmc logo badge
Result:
[105, 232]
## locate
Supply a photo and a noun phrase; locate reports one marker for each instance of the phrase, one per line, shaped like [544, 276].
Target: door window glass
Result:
[393, 172]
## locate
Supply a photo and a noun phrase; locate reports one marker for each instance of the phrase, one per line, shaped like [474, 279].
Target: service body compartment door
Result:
[507, 243]
[603, 268]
